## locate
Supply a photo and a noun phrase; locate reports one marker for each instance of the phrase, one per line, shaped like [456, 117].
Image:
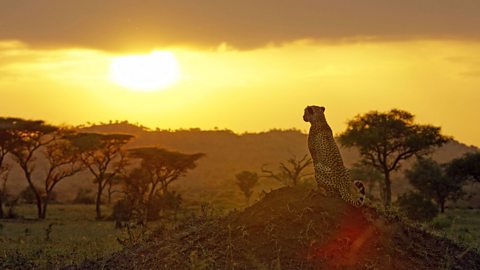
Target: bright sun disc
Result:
[148, 72]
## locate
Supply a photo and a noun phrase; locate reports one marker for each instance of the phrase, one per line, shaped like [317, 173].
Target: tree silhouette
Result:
[28, 138]
[103, 156]
[32, 138]
[62, 162]
[466, 167]
[290, 172]
[385, 140]
[430, 179]
[417, 207]
[158, 169]
[246, 180]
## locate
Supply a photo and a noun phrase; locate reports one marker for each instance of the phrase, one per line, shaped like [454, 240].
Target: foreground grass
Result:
[460, 225]
[70, 234]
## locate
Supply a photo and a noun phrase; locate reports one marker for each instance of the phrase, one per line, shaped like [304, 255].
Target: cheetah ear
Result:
[322, 108]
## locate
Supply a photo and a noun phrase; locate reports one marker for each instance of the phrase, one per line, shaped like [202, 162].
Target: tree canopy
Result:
[430, 179]
[466, 167]
[165, 166]
[246, 180]
[26, 138]
[103, 156]
[385, 140]
[149, 182]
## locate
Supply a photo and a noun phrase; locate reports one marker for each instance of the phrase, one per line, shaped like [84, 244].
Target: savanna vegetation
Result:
[75, 196]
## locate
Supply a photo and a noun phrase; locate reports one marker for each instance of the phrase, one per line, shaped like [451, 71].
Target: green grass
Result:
[75, 236]
[460, 225]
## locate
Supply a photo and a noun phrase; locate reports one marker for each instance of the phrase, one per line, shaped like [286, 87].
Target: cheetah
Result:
[330, 172]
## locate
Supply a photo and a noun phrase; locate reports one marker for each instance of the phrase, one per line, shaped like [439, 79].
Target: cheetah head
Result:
[313, 113]
[357, 189]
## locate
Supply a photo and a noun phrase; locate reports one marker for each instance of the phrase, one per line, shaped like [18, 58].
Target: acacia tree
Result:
[385, 140]
[466, 167]
[292, 171]
[62, 162]
[430, 179]
[104, 158]
[246, 180]
[158, 169]
[29, 137]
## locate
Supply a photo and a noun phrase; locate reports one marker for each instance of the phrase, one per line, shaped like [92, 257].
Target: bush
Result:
[128, 208]
[416, 207]
[122, 210]
[168, 201]
[84, 196]
[28, 196]
[442, 223]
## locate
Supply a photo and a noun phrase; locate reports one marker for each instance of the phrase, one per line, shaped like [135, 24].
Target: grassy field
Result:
[75, 235]
[461, 225]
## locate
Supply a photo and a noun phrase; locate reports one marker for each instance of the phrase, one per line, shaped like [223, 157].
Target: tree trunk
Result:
[442, 206]
[45, 205]
[43, 213]
[388, 190]
[98, 201]
[35, 192]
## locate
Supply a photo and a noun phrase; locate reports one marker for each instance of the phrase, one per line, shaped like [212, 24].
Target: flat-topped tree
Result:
[62, 162]
[159, 168]
[103, 156]
[385, 140]
[29, 137]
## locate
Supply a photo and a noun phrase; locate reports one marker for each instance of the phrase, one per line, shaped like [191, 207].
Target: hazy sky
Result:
[245, 65]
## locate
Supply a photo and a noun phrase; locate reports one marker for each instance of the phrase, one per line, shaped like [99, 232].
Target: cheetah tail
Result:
[360, 186]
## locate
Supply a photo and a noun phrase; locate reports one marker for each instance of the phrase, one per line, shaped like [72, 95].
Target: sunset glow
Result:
[150, 72]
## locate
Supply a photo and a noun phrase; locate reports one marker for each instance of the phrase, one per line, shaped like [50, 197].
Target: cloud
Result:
[243, 24]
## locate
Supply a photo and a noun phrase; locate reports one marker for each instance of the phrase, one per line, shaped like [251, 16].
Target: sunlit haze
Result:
[248, 79]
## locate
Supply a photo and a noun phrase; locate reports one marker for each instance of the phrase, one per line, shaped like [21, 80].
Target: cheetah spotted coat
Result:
[330, 172]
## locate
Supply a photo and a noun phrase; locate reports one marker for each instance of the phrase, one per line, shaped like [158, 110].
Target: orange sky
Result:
[235, 76]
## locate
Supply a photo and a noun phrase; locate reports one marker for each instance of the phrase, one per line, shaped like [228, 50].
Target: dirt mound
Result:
[292, 228]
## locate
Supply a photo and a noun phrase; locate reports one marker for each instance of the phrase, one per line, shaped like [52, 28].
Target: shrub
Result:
[416, 207]
[28, 196]
[84, 196]
[122, 210]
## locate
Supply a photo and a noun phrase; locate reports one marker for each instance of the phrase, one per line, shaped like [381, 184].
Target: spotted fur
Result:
[330, 172]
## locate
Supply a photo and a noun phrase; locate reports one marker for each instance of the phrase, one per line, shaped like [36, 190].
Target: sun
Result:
[148, 72]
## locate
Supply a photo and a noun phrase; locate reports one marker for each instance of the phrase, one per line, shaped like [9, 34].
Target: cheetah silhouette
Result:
[330, 172]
